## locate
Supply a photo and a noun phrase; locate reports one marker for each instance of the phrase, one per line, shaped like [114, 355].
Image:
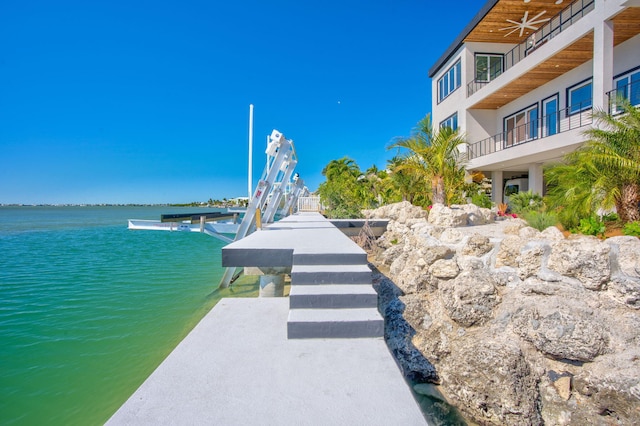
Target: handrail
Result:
[309, 204]
[558, 23]
[545, 126]
[621, 93]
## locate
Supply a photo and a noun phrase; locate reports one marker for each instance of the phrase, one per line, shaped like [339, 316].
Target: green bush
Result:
[525, 201]
[632, 229]
[540, 220]
[481, 199]
[591, 226]
[610, 217]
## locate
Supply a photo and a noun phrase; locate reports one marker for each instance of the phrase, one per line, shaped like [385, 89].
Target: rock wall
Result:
[519, 327]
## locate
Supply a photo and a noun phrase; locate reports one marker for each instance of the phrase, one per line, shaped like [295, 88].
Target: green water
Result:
[88, 308]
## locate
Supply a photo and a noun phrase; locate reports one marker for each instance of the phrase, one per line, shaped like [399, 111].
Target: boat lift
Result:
[274, 184]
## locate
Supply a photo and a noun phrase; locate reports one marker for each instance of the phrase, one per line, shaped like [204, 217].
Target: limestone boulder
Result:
[625, 290]
[583, 258]
[398, 334]
[562, 330]
[444, 268]
[469, 299]
[389, 255]
[477, 245]
[514, 226]
[400, 212]
[552, 234]
[441, 215]
[627, 254]
[508, 251]
[477, 215]
[530, 259]
[491, 381]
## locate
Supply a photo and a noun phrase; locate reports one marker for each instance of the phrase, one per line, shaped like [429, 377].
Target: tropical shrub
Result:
[603, 173]
[525, 201]
[632, 229]
[481, 199]
[541, 220]
[592, 225]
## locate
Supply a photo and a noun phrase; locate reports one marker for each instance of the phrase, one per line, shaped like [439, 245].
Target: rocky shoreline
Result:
[515, 326]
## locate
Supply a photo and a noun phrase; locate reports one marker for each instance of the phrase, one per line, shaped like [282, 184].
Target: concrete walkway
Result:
[315, 358]
[237, 367]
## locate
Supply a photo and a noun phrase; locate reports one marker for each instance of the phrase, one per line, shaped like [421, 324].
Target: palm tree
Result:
[435, 158]
[604, 172]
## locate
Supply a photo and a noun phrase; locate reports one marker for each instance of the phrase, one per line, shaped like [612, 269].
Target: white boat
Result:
[215, 229]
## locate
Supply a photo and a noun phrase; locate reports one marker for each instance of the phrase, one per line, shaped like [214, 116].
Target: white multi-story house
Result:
[523, 77]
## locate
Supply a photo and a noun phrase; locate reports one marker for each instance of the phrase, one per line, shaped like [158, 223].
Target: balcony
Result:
[570, 118]
[551, 29]
[629, 92]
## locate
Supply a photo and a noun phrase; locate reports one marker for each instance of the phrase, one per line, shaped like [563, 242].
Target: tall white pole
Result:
[250, 178]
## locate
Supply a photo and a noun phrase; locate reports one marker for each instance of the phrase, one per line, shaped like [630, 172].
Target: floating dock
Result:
[317, 357]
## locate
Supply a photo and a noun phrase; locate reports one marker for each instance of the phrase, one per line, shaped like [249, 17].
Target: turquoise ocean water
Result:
[88, 308]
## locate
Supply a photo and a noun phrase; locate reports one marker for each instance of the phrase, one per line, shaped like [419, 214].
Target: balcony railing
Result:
[560, 22]
[570, 118]
[629, 92]
[309, 204]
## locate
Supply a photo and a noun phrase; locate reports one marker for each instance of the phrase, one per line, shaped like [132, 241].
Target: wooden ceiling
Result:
[562, 62]
[489, 28]
[625, 25]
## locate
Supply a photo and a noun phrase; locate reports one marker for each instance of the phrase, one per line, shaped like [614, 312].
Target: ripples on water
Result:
[88, 308]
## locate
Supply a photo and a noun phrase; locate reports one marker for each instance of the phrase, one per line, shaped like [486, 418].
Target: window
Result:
[451, 121]
[450, 81]
[551, 116]
[627, 87]
[488, 67]
[521, 126]
[579, 97]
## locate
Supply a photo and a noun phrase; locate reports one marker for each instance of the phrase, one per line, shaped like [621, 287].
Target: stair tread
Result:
[334, 315]
[329, 268]
[331, 289]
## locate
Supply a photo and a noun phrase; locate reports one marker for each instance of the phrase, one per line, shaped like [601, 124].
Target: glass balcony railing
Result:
[570, 118]
[560, 22]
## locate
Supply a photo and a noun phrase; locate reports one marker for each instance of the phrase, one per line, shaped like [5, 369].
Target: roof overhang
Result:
[493, 24]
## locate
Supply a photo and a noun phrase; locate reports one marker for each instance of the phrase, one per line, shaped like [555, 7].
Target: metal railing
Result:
[560, 22]
[629, 92]
[309, 204]
[570, 118]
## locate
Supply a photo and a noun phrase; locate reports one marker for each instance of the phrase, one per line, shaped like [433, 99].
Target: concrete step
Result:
[331, 258]
[332, 296]
[330, 274]
[334, 323]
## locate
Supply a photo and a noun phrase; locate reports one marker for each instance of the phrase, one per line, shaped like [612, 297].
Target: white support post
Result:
[250, 176]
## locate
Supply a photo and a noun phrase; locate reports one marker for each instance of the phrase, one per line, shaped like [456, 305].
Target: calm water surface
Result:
[88, 308]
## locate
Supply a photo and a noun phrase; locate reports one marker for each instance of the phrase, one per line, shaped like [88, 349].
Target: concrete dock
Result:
[315, 358]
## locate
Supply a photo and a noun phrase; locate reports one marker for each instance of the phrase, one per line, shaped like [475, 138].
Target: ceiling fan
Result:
[525, 23]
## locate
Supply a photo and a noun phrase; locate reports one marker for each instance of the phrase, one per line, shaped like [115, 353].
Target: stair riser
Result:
[333, 301]
[331, 277]
[335, 330]
[330, 259]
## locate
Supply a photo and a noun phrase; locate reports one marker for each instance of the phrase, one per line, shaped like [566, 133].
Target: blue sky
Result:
[148, 101]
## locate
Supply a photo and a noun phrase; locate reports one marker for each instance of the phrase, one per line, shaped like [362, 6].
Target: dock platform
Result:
[317, 357]
[237, 367]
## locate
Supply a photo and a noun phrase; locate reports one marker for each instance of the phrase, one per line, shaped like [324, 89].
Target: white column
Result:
[602, 64]
[496, 186]
[536, 181]
[271, 285]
